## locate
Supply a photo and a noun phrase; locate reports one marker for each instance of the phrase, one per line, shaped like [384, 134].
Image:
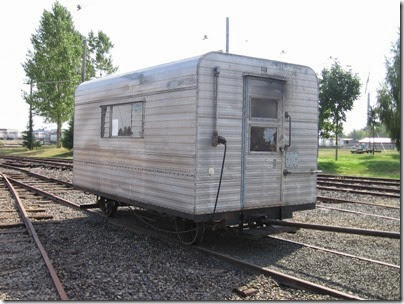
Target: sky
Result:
[359, 34]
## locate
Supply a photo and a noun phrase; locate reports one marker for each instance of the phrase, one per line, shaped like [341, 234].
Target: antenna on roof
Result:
[227, 34]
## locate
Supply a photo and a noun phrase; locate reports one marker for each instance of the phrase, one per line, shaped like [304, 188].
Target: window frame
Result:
[111, 109]
[275, 123]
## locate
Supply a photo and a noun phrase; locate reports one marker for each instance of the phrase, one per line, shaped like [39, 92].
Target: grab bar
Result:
[290, 130]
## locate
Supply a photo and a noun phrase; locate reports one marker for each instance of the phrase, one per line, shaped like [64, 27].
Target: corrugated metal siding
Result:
[301, 101]
[158, 169]
[168, 167]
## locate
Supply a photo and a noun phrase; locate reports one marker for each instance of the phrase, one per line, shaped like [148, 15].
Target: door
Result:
[262, 141]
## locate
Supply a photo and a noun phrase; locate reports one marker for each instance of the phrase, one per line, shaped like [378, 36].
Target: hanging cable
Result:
[221, 140]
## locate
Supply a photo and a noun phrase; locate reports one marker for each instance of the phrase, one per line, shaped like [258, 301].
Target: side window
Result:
[105, 121]
[137, 119]
[122, 120]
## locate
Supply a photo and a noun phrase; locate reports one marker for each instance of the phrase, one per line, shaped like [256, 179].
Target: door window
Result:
[264, 108]
[263, 139]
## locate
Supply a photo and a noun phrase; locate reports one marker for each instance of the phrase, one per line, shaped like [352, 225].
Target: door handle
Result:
[290, 130]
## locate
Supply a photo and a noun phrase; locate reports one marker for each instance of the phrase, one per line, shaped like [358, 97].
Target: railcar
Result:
[215, 139]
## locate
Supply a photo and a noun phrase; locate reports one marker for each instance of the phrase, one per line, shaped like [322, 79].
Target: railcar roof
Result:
[170, 67]
[143, 75]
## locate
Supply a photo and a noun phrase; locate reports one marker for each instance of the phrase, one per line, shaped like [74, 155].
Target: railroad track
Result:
[341, 201]
[53, 163]
[17, 215]
[27, 181]
[27, 184]
[360, 185]
[359, 181]
[288, 278]
[375, 180]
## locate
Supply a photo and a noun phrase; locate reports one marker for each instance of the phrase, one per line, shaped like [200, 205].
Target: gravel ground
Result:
[64, 175]
[98, 261]
[23, 274]
[367, 280]
[361, 198]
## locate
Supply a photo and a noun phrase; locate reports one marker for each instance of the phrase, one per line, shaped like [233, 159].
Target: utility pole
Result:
[369, 122]
[30, 127]
[83, 64]
[227, 34]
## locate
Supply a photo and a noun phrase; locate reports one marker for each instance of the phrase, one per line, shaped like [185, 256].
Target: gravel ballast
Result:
[98, 261]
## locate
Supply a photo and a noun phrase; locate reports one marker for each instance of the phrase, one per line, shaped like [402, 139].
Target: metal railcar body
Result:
[152, 138]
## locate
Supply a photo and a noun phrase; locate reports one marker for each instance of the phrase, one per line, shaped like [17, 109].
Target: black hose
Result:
[222, 141]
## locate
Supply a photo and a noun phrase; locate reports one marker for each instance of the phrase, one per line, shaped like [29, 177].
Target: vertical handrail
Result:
[290, 130]
[216, 72]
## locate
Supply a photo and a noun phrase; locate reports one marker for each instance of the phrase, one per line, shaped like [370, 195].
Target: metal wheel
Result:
[189, 232]
[108, 207]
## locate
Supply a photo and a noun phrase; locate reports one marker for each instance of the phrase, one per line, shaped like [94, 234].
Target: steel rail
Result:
[337, 200]
[50, 159]
[32, 232]
[359, 181]
[44, 161]
[46, 194]
[360, 177]
[40, 176]
[284, 278]
[339, 184]
[360, 213]
[336, 252]
[350, 230]
[359, 192]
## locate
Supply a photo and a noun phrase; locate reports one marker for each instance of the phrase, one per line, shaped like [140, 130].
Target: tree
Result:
[389, 96]
[28, 137]
[338, 90]
[99, 60]
[358, 134]
[98, 64]
[53, 65]
[67, 140]
[373, 123]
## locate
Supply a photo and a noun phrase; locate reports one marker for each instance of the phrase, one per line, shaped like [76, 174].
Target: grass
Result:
[44, 151]
[386, 165]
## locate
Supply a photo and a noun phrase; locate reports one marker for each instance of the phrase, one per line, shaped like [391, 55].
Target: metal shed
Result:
[148, 137]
